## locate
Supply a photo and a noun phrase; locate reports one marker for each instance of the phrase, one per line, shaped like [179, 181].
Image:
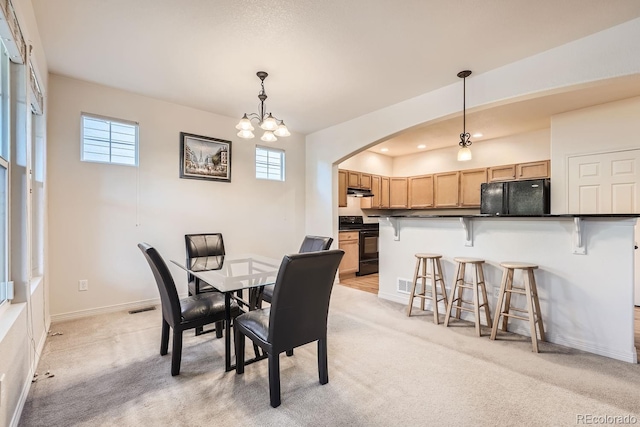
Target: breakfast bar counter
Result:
[585, 277]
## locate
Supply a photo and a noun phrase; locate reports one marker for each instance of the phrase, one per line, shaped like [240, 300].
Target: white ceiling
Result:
[328, 61]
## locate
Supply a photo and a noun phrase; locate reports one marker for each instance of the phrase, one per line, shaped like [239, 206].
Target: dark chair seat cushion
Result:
[204, 287]
[204, 305]
[255, 323]
[267, 293]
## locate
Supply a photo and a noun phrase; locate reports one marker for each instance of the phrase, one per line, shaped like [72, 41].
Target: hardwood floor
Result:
[368, 283]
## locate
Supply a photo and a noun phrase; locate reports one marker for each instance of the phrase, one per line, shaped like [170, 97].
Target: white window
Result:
[108, 140]
[4, 172]
[269, 163]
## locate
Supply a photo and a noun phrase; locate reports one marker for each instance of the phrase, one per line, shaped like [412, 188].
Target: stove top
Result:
[355, 223]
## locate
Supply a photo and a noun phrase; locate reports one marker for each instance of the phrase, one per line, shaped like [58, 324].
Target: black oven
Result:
[368, 252]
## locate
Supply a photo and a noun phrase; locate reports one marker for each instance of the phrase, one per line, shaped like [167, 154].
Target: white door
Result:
[607, 183]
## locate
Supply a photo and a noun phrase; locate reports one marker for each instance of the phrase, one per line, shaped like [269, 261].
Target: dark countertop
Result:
[586, 216]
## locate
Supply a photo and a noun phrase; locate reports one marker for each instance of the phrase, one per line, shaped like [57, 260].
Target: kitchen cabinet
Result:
[353, 179]
[348, 242]
[470, 181]
[532, 170]
[372, 202]
[384, 192]
[342, 189]
[421, 192]
[446, 189]
[365, 181]
[398, 195]
[502, 173]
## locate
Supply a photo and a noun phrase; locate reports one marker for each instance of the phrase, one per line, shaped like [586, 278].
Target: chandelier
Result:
[272, 126]
[464, 153]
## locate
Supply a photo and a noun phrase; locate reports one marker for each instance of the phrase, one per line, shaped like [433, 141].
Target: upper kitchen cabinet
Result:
[502, 173]
[470, 181]
[533, 170]
[398, 195]
[421, 192]
[342, 189]
[446, 187]
[353, 179]
[365, 181]
[372, 202]
[384, 192]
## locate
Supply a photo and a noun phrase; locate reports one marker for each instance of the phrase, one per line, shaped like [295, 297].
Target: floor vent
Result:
[404, 285]
[140, 310]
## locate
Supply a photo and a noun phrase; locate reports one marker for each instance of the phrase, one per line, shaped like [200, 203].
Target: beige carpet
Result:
[384, 370]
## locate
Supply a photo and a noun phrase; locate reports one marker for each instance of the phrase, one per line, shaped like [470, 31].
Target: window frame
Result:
[269, 150]
[110, 120]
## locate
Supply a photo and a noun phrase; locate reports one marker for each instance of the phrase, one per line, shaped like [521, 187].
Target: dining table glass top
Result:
[229, 273]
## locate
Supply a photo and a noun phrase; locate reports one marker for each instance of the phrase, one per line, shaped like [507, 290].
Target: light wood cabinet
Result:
[384, 192]
[421, 192]
[348, 242]
[502, 173]
[365, 181]
[470, 181]
[353, 179]
[398, 196]
[532, 170]
[342, 189]
[372, 202]
[446, 189]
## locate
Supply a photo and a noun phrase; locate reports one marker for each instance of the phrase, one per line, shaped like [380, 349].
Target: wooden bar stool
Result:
[530, 291]
[435, 274]
[477, 286]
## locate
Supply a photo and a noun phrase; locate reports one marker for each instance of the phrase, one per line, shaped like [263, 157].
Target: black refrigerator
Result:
[531, 197]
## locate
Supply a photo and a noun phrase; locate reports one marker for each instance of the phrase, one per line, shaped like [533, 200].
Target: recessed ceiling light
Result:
[384, 150]
[477, 135]
[422, 146]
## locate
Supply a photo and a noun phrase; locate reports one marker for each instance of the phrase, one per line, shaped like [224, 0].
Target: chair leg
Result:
[219, 328]
[289, 353]
[274, 379]
[239, 341]
[323, 367]
[176, 355]
[164, 341]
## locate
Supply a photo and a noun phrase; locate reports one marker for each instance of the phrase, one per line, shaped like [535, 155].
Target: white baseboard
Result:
[102, 310]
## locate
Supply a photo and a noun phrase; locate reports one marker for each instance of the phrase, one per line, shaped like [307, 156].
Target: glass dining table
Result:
[231, 275]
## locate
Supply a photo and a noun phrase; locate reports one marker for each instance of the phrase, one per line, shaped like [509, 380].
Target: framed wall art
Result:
[202, 157]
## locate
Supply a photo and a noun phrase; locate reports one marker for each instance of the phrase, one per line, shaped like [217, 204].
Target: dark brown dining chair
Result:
[297, 315]
[182, 314]
[205, 251]
[309, 244]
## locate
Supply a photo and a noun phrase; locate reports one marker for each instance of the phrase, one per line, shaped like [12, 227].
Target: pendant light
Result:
[464, 153]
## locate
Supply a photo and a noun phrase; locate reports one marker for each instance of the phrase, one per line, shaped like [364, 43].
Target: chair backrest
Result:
[300, 303]
[166, 286]
[315, 243]
[204, 252]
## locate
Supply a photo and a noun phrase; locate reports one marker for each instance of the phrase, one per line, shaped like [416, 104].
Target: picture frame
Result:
[203, 157]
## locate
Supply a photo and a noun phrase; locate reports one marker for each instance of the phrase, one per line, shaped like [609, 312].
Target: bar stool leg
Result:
[483, 288]
[425, 267]
[476, 303]
[507, 303]
[443, 289]
[413, 287]
[463, 268]
[501, 297]
[434, 291]
[453, 295]
[536, 302]
[532, 322]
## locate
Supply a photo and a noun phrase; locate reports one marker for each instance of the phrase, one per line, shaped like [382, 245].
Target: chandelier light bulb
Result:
[269, 137]
[246, 134]
[282, 130]
[464, 154]
[244, 124]
[269, 123]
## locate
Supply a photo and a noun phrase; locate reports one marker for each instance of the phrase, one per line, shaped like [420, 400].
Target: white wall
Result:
[584, 305]
[607, 127]
[608, 54]
[522, 148]
[100, 212]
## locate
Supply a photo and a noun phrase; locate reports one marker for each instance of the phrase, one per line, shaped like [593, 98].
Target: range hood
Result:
[358, 192]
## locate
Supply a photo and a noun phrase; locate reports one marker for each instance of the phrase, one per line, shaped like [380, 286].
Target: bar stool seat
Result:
[530, 291]
[435, 274]
[477, 286]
